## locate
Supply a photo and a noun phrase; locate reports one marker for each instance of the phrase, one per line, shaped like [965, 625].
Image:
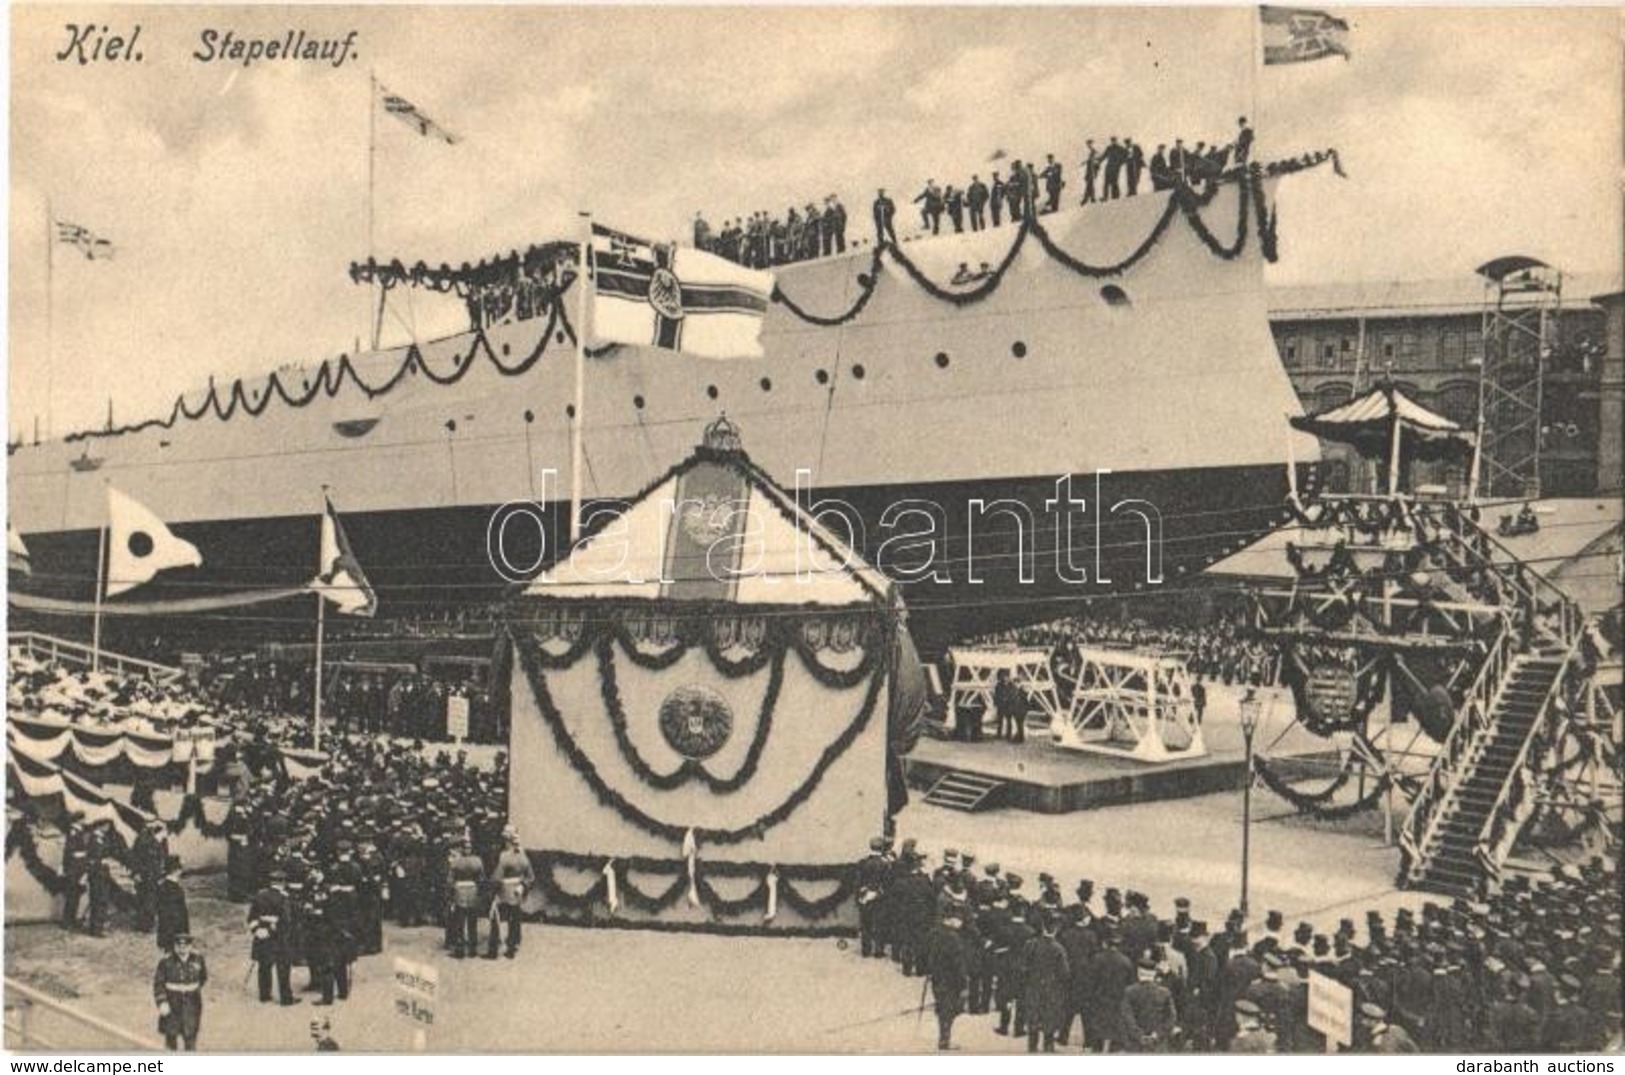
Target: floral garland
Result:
[20, 840]
[690, 769]
[609, 797]
[191, 815]
[1312, 805]
[329, 379]
[1183, 202]
[629, 893]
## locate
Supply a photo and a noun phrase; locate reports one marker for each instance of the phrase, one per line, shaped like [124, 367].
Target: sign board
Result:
[416, 986]
[1331, 1009]
[457, 717]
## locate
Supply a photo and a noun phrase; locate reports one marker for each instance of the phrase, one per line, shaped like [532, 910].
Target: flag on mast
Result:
[339, 578]
[676, 298]
[17, 558]
[414, 117]
[1297, 35]
[139, 545]
[87, 242]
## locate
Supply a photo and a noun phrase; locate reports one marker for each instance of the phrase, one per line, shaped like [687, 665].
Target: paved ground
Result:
[621, 991]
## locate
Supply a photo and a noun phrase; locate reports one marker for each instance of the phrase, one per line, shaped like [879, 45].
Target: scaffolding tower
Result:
[1522, 299]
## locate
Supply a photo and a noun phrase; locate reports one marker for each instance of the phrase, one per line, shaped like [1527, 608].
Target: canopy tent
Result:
[709, 698]
[1386, 424]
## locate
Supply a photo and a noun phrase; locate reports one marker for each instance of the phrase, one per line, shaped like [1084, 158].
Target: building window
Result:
[1390, 347]
[1328, 354]
[1474, 351]
[1289, 352]
[1410, 348]
[1450, 348]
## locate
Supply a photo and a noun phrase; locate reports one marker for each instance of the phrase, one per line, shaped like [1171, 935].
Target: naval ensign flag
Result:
[139, 545]
[676, 298]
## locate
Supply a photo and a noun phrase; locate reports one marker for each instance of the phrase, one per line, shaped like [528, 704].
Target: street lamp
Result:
[1249, 708]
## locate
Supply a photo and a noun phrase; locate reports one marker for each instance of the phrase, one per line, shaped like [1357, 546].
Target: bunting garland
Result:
[536, 675]
[774, 883]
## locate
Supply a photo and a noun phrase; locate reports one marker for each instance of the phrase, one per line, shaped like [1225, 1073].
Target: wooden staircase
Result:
[966, 792]
[1450, 861]
[1481, 788]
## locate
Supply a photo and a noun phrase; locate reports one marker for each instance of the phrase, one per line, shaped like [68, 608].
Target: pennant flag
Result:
[339, 577]
[409, 114]
[87, 242]
[139, 545]
[16, 552]
[676, 298]
[1296, 35]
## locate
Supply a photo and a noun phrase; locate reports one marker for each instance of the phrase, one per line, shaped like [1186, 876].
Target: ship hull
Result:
[993, 554]
[1155, 386]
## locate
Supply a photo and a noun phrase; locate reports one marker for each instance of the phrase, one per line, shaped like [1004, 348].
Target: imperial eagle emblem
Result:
[707, 520]
[666, 294]
[696, 721]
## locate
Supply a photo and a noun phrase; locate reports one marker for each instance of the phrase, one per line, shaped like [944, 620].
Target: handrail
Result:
[1417, 830]
[65, 650]
[33, 996]
[1510, 567]
[1490, 847]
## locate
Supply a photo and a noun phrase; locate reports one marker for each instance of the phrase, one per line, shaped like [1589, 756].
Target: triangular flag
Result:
[339, 578]
[16, 552]
[139, 545]
[409, 114]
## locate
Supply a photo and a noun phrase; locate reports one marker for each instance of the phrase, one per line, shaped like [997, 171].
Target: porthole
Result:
[942, 360]
[711, 391]
[822, 377]
[858, 371]
[1115, 296]
[767, 384]
[637, 401]
[1019, 349]
[530, 416]
[570, 410]
[558, 337]
[505, 349]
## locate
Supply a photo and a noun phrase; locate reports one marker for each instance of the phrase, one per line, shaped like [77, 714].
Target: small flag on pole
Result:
[1296, 35]
[409, 114]
[676, 298]
[139, 545]
[339, 577]
[87, 242]
[16, 552]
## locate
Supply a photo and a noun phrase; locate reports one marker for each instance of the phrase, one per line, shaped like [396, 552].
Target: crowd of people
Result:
[38, 687]
[1534, 969]
[762, 240]
[1118, 168]
[393, 699]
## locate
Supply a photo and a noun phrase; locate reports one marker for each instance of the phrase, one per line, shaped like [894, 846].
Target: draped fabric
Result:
[47, 740]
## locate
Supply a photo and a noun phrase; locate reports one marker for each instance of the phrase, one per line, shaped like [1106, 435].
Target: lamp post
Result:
[1249, 724]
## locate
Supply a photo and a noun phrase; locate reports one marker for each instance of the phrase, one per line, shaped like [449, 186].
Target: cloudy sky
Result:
[237, 197]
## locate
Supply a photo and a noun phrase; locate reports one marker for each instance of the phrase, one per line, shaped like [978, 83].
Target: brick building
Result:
[1337, 339]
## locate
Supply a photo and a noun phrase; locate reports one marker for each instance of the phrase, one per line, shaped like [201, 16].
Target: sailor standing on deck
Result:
[885, 210]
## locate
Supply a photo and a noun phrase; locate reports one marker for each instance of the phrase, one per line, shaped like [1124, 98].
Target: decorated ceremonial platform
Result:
[1041, 776]
[709, 698]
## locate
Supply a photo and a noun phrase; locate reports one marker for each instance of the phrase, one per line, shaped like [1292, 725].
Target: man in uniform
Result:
[1112, 161]
[75, 868]
[170, 902]
[98, 881]
[949, 976]
[1052, 183]
[241, 869]
[976, 202]
[514, 877]
[1251, 1037]
[269, 922]
[316, 932]
[1148, 1019]
[147, 857]
[873, 872]
[344, 916]
[1010, 704]
[885, 212]
[995, 203]
[177, 990]
[464, 876]
[1046, 985]
[1385, 1037]
[1091, 169]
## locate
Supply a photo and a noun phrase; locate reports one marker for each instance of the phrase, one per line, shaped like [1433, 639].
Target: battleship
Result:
[1098, 409]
